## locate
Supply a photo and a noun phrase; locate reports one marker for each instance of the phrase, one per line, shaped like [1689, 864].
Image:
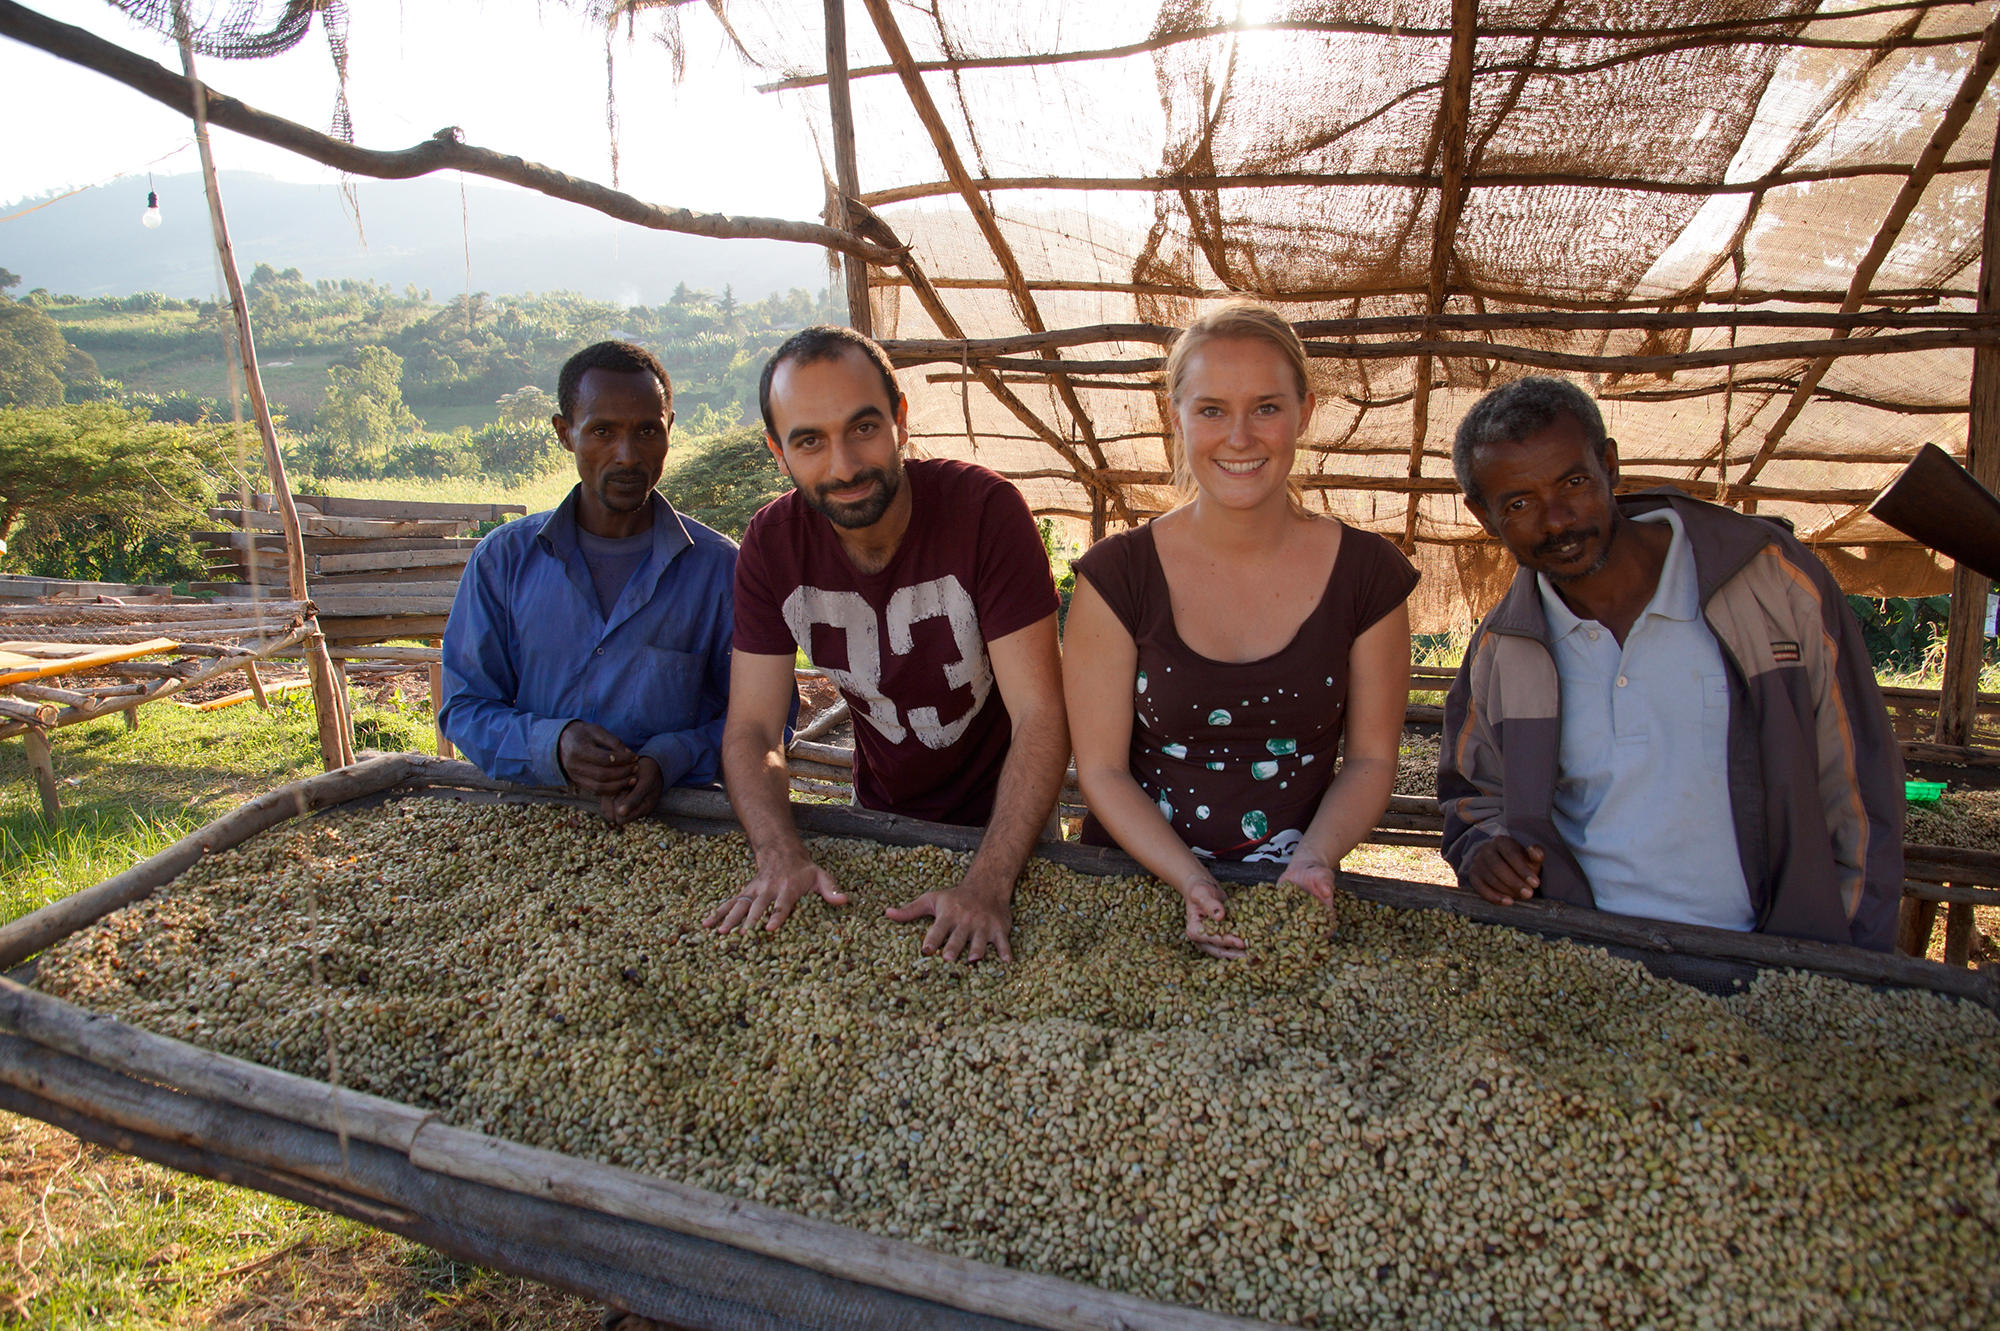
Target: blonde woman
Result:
[1215, 658]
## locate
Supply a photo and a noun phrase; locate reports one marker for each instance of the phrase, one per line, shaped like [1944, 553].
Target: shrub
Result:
[96, 490]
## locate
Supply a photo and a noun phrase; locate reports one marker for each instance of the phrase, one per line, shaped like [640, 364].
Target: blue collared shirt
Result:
[527, 651]
[1643, 782]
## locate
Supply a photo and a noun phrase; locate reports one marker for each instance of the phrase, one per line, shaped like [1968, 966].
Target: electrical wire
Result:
[144, 166]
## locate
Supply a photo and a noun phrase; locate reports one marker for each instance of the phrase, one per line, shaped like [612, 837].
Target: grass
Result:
[541, 492]
[95, 1238]
[294, 383]
[538, 493]
[1931, 676]
[102, 1240]
[444, 417]
[127, 793]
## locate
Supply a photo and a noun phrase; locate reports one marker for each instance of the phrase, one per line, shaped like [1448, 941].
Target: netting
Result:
[1351, 159]
[252, 30]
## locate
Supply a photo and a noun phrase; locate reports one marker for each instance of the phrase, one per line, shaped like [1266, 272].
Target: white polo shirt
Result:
[1642, 792]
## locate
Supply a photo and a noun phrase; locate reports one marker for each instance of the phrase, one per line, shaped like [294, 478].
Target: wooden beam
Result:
[847, 176]
[1182, 181]
[1884, 296]
[1970, 89]
[1749, 353]
[1739, 31]
[444, 151]
[1084, 470]
[982, 212]
[920, 351]
[1965, 631]
[1699, 487]
[1753, 384]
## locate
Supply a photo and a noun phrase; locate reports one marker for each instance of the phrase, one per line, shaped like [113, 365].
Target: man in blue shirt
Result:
[589, 645]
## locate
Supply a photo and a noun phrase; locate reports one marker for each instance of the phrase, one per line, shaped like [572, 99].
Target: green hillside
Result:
[459, 357]
[377, 392]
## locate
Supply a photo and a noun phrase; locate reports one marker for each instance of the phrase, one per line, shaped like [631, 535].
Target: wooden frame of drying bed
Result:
[638, 1242]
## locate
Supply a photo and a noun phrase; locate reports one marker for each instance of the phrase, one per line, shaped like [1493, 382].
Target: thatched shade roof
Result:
[1483, 176]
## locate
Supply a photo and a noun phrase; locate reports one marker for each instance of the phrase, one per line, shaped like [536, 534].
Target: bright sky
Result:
[518, 76]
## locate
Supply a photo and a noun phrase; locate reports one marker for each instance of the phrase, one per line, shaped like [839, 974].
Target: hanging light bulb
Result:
[150, 219]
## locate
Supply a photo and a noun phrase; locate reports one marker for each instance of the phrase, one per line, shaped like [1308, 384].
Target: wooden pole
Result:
[274, 462]
[1453, 125]
[982, 214]
[1958, 934]
[923, 351]
[1731, 297]
[1965, 631]
[1748, 353]
[324, 701]
[847, 176]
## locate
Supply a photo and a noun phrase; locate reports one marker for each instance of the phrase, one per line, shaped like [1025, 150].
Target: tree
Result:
[100, 478]
[363, 409]
[33, 356]
[9, 279]
[725, 479]
[521, 443]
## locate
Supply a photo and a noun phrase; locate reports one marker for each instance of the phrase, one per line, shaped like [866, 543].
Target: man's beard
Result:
[1585, 537]
[863, 513]
[636, 484]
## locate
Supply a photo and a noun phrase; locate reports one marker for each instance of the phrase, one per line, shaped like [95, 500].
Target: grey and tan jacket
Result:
[1815, 773]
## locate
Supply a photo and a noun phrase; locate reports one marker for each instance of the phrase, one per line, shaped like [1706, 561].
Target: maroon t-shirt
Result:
[1238, 754]
[907, 646]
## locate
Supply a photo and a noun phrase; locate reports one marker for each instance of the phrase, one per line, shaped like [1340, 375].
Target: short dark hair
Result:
[824, 342]
[619, 358]
[1514, 411]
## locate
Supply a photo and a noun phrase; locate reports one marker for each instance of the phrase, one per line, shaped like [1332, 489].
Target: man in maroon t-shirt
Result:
[923, 591]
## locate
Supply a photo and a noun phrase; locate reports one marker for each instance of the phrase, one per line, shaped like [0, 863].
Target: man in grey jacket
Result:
[1662, 673]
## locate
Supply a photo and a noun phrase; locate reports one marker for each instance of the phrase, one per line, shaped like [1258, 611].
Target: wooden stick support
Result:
[1914, 925]
[41, 761]
[1958, 933]
[329, 705]
[256, 685]
[436, 674]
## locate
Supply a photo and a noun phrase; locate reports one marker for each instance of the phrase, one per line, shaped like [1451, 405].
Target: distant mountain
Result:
[92, 244]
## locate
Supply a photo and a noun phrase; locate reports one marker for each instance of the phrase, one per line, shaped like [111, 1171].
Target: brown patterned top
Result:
[1238, 754]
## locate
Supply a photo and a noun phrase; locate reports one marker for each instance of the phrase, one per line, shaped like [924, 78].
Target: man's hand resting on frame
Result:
[627, 786]
[1504, 871]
